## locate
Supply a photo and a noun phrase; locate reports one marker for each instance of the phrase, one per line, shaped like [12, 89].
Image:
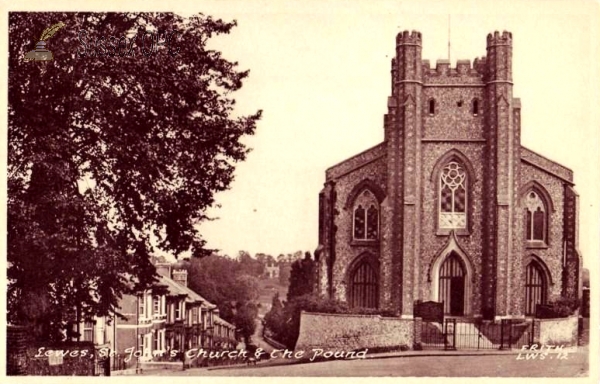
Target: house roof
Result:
[176, 289]
[218, 320]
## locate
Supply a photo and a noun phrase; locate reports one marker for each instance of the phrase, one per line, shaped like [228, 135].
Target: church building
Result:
[450, 207]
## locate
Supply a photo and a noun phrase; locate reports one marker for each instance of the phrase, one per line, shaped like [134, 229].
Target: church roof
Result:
[374, 153]
[542, 162]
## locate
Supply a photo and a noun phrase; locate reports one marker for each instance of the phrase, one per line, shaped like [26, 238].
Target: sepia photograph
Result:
[403, 189]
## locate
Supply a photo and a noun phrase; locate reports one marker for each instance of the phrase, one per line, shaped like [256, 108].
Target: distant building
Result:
[272, 270]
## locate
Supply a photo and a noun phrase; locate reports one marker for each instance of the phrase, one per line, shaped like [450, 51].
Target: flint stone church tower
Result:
[450, 207]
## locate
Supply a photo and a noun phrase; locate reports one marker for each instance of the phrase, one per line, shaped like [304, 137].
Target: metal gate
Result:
[452, 334]
[102, 367]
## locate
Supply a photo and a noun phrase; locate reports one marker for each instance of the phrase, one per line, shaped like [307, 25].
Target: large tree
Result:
[114, 148]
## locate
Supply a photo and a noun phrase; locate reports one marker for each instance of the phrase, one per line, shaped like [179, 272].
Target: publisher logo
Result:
[41, 53]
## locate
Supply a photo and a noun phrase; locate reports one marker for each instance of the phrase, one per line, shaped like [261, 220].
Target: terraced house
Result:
[450, 207]
[168, 317]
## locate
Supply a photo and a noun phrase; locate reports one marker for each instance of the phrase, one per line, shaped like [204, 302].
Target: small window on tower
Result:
[475, 107]
[431, 107]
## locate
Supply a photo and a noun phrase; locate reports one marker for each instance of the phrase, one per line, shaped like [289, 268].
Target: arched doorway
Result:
[452, 285]
[535, 287]
[364, 287]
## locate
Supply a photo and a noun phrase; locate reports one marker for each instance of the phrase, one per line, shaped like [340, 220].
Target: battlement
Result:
[499, 39]
[463, 67]
[479, 64]
[408, 38]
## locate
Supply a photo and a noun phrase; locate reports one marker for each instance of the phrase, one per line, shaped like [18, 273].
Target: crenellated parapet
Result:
[463, 69]
[497, 38]
[409, 38]
[499, 57]
[444, 73]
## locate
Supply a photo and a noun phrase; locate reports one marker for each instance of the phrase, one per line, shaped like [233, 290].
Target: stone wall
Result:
[25, 357]
[453, 118]
[558, 331]
[16, 351]
[78, 360]
[347, 332]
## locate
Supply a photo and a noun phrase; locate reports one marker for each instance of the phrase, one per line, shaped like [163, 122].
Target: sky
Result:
[320, 71]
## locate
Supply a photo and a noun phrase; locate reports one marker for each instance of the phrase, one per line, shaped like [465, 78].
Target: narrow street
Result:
[257, 338]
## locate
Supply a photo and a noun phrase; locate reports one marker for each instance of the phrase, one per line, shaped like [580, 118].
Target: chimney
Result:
[180, 276]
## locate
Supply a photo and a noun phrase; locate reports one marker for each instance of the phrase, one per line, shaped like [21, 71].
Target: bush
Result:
[562, 307]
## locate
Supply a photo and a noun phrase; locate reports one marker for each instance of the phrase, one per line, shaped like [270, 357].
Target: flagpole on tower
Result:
[448, 38]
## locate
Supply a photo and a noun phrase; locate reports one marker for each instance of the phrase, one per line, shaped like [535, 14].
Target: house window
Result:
[452, 286]
[156, 341]
[453, 197]
[431, 107]
[143, 341]
[195, 315]
[475, 107]
[178, 310]
[142, 305]
[88, 331]
[366, 217]
[156, 305]
[535, 217]
[364, 287]
[535, 288]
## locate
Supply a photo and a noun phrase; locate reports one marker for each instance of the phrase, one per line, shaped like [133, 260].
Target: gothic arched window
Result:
[535, 217]
[363, 287]
[453, 196]
[535, 287]
[366, 217]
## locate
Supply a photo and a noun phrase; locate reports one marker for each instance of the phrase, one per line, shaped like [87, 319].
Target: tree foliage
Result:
[275, 318]
[302, 277]
[245, 319]
[221, 279]
[224, 281]
[110, 156]
[250, 265]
